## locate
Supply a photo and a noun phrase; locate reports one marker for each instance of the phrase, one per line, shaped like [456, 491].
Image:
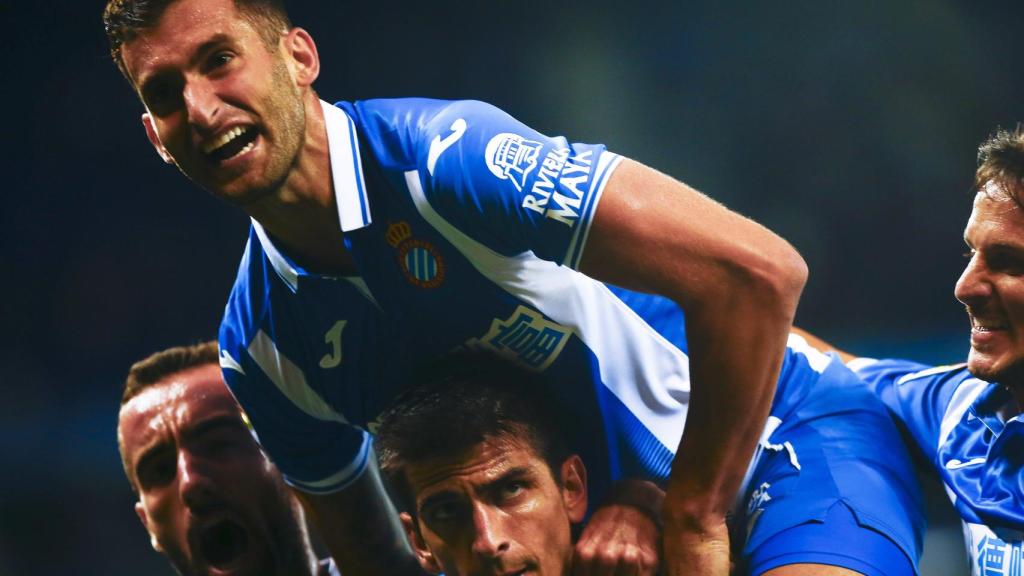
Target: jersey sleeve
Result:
[312, 445]
[917, 395]
[486, 176]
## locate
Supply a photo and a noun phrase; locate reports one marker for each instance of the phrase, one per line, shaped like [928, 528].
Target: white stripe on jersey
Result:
[346, 169]
[817, 359]
[965, 395]
[289, 379]
[606, 164]
[277, 261]
[632, 353]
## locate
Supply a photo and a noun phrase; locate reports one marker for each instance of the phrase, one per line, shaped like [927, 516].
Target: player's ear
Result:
[154, 138]
[574, 488]
[141, 513]
[304, 59]
[423, 554]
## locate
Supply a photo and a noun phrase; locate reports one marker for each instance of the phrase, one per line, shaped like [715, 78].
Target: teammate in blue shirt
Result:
[966, 418]
[387, 233]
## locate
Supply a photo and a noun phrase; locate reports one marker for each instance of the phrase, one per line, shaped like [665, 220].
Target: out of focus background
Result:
[848, 127]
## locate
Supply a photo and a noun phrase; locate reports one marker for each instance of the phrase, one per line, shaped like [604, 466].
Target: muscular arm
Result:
[739, 285]
[361, 528]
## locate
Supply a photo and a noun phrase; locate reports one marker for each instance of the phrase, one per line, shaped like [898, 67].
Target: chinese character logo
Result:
[998, 558]
[526, 338]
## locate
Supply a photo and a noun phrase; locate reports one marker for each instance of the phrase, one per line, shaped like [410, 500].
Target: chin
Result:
[996, 369]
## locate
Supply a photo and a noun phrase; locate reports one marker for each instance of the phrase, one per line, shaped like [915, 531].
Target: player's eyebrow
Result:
[523, 473]
[213, 424]
[198, 55]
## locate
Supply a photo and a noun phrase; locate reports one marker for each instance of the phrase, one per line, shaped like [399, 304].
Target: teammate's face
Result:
[209, 498]
[221, 104]
[495, 509]
[992, 288]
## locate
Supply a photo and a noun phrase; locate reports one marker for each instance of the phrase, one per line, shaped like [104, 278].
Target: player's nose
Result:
[202, 103]
[490, 538]
[195, 483]
[973, 287]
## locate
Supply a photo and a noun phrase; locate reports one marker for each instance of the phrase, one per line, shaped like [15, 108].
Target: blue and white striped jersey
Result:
[467, 228]
[955, 420]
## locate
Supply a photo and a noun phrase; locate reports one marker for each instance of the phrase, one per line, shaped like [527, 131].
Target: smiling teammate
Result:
[966, 418]
[391, 232]
[209, 498]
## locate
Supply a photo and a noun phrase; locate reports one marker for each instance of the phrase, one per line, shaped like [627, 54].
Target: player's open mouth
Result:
[223, 543]
[235, 141]
[987, 325]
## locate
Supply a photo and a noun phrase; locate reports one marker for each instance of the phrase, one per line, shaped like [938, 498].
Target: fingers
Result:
[599, 557]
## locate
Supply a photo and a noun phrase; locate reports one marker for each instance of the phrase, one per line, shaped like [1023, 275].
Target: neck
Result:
[303, 215]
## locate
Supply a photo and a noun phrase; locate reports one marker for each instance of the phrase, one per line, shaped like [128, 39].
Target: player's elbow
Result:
[772, 276]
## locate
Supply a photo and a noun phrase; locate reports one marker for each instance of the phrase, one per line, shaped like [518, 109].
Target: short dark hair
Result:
[155, 368]
[123, 20]
[1001, 161]
[471, 400]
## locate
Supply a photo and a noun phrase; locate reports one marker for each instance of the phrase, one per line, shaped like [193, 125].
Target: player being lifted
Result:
[391, 232]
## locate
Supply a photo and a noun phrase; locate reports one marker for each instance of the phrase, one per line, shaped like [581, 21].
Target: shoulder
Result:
[908, 372]
[401, 131]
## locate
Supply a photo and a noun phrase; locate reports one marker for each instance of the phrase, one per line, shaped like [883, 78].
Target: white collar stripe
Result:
[346, 169]
[284, 269]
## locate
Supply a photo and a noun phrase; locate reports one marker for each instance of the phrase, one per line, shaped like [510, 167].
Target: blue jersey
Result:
[467, 229]
[955, 420]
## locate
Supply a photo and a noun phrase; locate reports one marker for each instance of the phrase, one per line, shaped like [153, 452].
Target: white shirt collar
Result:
[346, 169]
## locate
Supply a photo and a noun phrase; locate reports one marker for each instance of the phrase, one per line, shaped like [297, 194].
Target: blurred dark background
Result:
[848, 127]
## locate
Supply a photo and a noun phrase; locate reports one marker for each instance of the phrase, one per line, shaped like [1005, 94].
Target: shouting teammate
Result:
[209, 498]
[391, 232]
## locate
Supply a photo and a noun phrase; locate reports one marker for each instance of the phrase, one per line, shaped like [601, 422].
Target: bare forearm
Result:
[737, 340]
[361, 529]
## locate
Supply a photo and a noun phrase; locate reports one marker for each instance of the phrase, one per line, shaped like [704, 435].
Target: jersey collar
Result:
[346, 169]
[988, 405]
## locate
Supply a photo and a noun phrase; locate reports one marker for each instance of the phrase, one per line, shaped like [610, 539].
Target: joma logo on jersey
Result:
[526, 338]
[560, 185]
[998, 558]
[512, 157]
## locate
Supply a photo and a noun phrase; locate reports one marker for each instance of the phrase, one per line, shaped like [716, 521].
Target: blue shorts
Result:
[832, 483]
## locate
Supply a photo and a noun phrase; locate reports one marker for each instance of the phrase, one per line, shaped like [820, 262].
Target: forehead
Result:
[176, 402]
[995, 214]
[475, 467]
[184, 26]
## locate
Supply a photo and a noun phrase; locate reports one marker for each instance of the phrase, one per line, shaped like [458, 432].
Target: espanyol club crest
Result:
[420, 262]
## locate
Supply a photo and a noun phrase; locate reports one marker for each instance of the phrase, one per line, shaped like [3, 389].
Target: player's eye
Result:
[512, 489]
[1010, 264]
[442, 512]
[156, 470]
[219, 60]
[162, 97]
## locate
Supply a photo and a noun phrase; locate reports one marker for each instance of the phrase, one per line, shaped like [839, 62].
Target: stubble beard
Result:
[287, 110]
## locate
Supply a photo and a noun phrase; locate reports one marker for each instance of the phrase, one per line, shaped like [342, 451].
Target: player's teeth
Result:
[247, 148]
[223, 139]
